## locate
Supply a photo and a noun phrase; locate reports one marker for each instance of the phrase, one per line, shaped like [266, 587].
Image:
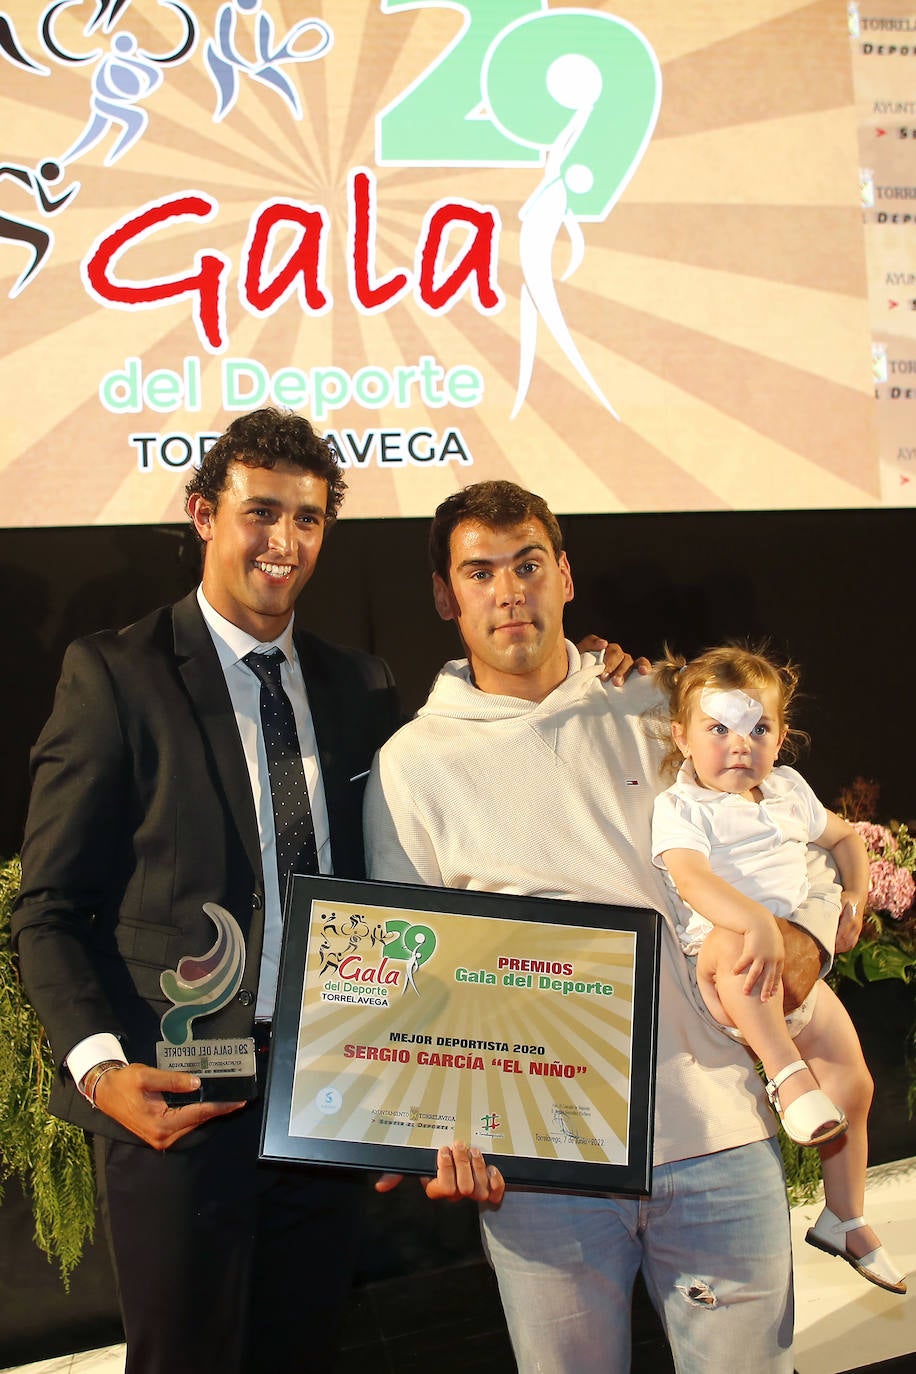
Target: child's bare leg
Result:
[829, 1043]
[762, 1024]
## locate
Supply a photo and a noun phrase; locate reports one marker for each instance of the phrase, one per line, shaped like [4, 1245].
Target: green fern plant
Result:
[803, 1170]
[50, 1158]
[802, 1166]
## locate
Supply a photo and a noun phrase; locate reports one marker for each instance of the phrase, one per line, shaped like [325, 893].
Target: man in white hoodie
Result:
[525, 772]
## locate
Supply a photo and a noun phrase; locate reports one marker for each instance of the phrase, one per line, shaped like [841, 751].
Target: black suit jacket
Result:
[141, 811]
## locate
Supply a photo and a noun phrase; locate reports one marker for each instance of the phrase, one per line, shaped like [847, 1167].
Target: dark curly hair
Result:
[747, 667]
[265, 439]
[499, 505]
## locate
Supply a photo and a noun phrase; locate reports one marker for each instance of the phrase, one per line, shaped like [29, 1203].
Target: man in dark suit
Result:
[152, 796]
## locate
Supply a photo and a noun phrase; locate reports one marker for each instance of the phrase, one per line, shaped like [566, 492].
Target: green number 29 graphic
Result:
[505, 90]
[413, 942]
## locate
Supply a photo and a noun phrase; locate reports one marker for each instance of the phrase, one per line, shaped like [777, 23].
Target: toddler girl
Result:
[731, 834]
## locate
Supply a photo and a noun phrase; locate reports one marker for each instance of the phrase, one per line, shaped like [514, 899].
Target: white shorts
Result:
[796, 1021]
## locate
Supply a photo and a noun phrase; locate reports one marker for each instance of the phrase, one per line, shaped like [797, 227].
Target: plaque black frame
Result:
[633, 1177]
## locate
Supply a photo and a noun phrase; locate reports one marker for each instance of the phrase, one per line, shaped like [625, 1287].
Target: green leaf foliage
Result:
[50, 1158]
[803, 1170]
[872, 961]
[801, 1164]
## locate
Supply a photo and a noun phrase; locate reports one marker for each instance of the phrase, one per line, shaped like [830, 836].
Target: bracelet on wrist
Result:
[90, 1083]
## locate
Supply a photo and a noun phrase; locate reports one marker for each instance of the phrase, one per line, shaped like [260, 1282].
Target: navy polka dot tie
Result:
[295, 832]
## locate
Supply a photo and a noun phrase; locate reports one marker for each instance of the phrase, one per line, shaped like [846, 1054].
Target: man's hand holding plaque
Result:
[460, 1173]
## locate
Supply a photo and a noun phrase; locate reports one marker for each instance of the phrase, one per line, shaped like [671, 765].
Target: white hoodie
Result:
[554, 799]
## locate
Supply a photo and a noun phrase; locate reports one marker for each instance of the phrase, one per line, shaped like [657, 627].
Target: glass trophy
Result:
[200, 986]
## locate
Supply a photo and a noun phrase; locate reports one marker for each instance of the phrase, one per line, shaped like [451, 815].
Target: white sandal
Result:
[802, 1118]
[829, 1234]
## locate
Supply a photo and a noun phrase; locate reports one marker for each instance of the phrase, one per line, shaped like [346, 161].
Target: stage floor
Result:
[842, 1322]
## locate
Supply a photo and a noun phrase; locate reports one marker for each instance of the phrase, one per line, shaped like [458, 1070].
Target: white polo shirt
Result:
[758, 847]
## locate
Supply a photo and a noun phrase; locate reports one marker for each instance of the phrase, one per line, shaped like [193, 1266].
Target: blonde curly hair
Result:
[749, 668]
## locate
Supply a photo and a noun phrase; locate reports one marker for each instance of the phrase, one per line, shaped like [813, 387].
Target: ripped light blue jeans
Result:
[712, 1242]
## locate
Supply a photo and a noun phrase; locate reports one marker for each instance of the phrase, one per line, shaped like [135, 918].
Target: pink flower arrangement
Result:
[892, 858]
[887, 945]
[891, 888]
[877, 838]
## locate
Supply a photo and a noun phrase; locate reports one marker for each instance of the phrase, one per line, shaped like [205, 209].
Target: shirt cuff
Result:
[91, 1051]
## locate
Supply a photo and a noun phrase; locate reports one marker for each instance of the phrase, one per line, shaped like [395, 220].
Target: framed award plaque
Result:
[408, 1017]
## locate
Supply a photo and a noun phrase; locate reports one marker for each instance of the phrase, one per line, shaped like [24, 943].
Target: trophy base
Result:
[238, 1081]
[228, 1089]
